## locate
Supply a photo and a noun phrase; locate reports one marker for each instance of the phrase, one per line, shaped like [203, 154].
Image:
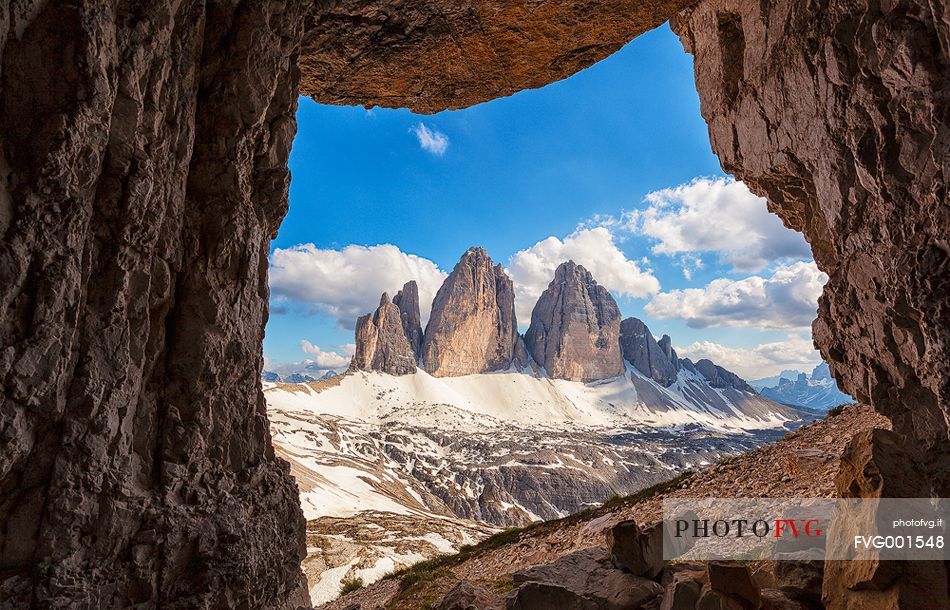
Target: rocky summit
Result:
[655, 360]
[381, 343]
[407, 300]
[575, 328]
[472, 327]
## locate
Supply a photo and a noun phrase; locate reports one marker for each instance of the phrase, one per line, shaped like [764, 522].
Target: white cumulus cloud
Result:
[431, 140]
[345, 284]
[719, 216]
[786, 299]
[532, 269]
[764, 360]
[323, 359]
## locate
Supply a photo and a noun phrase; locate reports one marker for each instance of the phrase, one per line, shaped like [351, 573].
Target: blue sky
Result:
[575, 161]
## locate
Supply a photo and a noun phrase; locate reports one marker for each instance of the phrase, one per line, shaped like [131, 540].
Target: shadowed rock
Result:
[575, 328]
[735, 581]
[430, 55]
[472, 328]
[638, 551]
[407, 300]
[878, 464]
[582, 580]
[655, 360]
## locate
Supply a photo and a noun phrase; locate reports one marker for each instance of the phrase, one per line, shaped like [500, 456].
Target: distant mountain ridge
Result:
[576, 332]
[816, 391]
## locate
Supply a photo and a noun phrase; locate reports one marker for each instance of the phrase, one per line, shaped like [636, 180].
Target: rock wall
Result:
[430, 55]
[143, 172]
[837, 112]
[575, 328]
[143, 169]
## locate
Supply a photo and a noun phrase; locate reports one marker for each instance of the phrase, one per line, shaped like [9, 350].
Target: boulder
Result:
[800, 580]
[734, 580]
[585, 580]
[381, 343]
[683, 593]
[710, 599]
[472, 328]
[639, 348]
[635, 550]
[575, 328]
[466, 596]
[773, 599]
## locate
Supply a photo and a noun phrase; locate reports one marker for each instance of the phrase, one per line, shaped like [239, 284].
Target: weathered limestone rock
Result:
[143, 174]
[430, 55]
[655, 360]
[575, 328]
[877, 464]
[683, 593]
[638, 551]
[585, 580]
[466, 596]
[381, 343]
[143, 150]
[800, 580]
[472, 327]
[734, 580]
[717, 376]
[834, 111]
[407, 300]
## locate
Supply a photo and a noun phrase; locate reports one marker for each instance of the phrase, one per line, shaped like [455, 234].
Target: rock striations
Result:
[381, 343]
[575, 328]
[407, 300]
[655, 360]
[472, 328]
[575, 334]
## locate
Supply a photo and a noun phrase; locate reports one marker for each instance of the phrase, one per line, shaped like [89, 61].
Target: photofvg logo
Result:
[805, 528]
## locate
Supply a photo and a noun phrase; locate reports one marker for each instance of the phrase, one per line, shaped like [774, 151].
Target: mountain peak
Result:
[472, 328]
[655, 360]
[575, 328]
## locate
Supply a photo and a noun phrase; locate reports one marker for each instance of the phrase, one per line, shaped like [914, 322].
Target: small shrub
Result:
[835, 411]
[354, 584]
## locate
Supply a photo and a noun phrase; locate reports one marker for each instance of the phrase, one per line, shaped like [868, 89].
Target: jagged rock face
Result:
[717, 376]
[472, 327]
[381, 343]
[655, 360]
[575, 328]
[430, 55]
[407, 300]
[880, 464]
[836, 113]
[143, 173]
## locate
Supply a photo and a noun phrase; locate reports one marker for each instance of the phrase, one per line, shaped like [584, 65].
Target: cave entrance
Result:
[610, 168]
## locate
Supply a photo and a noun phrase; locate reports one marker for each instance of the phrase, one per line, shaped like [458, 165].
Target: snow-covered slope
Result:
[479, 402]
[419, 465]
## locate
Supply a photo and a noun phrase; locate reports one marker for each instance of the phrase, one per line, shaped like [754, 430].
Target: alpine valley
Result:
[437, 437]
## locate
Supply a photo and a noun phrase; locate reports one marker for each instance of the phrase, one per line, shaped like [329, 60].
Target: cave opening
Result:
[144, 153]
[610, 168]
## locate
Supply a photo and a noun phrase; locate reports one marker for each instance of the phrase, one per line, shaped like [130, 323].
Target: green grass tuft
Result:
[835, 411]
[351, 585]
